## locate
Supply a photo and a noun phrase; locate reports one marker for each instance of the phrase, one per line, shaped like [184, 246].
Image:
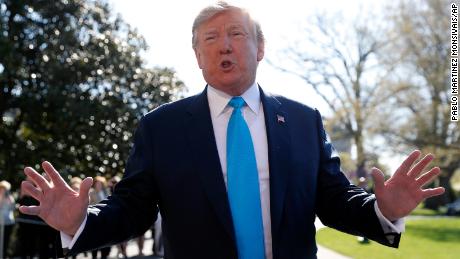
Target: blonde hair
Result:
[6, 185]
[101, 179]
[220, 7]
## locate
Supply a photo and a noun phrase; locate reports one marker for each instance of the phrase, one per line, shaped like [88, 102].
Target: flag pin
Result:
[280, 118]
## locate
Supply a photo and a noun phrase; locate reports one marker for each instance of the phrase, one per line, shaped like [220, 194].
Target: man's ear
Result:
[260, 51]
[198, 57]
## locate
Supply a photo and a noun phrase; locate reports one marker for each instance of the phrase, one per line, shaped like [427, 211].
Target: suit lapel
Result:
[277, 122]
[200, 134]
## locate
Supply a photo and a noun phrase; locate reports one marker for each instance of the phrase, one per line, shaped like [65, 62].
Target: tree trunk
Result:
[444, 181]
[360, 157]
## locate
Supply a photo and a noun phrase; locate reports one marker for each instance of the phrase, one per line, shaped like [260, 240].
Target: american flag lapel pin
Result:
[280, 118]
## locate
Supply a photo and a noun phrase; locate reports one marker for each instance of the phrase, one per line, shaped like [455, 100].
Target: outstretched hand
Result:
[403, 192]
[60, 207]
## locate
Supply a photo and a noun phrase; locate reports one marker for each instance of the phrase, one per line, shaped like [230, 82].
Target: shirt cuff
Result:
[398, 226]
[68, 241]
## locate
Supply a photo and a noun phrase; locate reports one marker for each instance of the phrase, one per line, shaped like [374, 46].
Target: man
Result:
[241, 175]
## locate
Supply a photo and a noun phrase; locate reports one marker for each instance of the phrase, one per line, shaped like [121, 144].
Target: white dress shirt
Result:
[254, 115]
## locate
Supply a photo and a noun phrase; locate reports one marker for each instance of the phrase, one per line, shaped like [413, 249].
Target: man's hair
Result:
[221, 6]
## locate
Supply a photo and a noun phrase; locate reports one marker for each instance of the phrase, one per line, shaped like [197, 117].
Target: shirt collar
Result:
[218, 100]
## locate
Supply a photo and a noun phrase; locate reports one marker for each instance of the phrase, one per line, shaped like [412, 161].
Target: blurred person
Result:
[242, 174]
[112, 183]
[140, 244]
[98, 193]
[34, 237]
[7, 208]
[75, 183]
[157, 235]
[121, 246]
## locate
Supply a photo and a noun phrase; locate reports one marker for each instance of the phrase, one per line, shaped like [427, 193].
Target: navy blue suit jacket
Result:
[174, 166]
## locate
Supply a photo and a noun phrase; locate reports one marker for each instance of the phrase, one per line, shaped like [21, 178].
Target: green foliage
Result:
[435, 238]
[72, 87]
[385, 78]
[420, 52]
[339, 59]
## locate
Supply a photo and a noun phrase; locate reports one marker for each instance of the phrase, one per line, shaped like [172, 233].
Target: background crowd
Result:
[26, 236]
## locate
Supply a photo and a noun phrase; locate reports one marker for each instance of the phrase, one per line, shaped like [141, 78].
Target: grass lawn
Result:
[428, 212]
[424, 238]
[422, 211]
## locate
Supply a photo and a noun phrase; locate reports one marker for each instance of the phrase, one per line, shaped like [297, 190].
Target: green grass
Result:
[424, 238]
[422, 211]
[427, 212]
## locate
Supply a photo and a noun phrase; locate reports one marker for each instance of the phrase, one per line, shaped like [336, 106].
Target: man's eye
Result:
[237, 33]
[208, 38]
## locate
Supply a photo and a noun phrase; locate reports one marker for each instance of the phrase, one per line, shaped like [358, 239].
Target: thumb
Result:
[379, 179]
[85, 186]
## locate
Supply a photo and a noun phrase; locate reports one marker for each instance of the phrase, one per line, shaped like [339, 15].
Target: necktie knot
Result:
[236, 102]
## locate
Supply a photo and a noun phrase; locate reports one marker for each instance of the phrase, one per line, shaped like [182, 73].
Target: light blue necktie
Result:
[243, 186]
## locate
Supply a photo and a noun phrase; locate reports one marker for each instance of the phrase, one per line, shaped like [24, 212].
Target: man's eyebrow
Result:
[235, 26]
[210, 31]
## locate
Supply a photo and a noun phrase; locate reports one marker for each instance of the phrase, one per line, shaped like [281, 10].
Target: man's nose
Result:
[225, 45]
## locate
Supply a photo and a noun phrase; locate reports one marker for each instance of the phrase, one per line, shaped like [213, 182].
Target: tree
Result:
[421, 49]
[339, 60]
[72, 86]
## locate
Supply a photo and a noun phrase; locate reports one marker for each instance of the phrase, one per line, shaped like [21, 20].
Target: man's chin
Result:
[232, 88]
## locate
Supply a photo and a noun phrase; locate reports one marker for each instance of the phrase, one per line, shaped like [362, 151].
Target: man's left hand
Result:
[403, 192]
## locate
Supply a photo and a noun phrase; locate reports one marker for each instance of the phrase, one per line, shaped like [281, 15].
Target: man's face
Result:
[227, 52]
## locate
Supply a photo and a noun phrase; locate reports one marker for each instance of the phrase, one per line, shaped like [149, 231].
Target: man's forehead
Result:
[228, 18]
[230, 25]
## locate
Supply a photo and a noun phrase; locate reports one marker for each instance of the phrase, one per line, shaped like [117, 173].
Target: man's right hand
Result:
[60, 207]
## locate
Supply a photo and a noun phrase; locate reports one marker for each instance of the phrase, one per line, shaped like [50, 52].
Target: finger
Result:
[418, 168]
[85, 186]
[31, 190]
[53, 174]
[407, 164]
[37, 178]
[428, 177]
[379, 179]
[427, 193]
[30, 210]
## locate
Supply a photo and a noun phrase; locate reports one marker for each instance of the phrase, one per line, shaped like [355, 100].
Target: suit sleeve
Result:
[342, 205]
[132, 208]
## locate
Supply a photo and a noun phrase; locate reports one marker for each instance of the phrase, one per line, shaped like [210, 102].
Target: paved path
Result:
[323, 252]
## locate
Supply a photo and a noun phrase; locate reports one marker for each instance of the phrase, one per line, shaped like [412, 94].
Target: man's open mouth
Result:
[226, 64]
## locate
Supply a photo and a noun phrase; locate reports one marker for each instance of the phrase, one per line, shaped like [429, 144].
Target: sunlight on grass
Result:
[424, 238]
